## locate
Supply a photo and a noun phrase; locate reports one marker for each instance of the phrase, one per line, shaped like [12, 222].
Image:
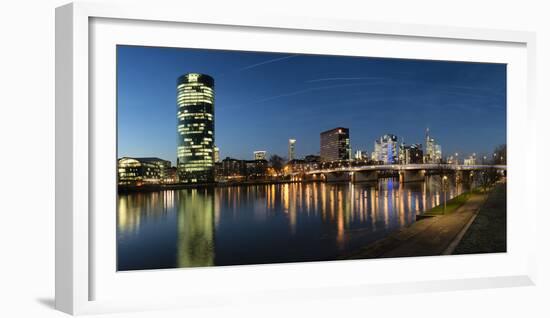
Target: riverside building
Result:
[195, 100]
[141, 171]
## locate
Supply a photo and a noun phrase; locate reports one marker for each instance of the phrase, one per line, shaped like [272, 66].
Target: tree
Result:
[499, 155]
[487, 178]
[276, 162]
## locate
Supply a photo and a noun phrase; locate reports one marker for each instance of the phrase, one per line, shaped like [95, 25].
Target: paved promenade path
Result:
[429, 236]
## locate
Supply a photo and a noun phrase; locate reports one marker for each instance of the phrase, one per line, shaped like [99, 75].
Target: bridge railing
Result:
[406, 167]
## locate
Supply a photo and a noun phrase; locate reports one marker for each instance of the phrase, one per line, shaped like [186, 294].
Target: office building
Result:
[256, 169]
[291, 149]
[386, 150]
[260, 155]
[236, 169]
[141, 171]
[312, 159]
[335, 144]
[195, 100]
[232, 168]
[361, 155]
[216, 154]
[410, 154]
[433, 153]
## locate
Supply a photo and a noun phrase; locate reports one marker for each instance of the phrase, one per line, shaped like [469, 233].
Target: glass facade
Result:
[386, 150]
[335, 144]
[409, 154]
[433, 152]
[195, 99]
[291, 149]
[216, 154]
[140, 171]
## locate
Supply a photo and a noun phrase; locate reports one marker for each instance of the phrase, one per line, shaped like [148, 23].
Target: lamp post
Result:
[444, 194]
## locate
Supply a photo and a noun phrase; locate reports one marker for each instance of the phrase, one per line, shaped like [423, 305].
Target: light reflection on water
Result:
[258, 224]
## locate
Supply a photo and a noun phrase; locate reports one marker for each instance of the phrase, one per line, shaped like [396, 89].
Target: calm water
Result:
[258, 224]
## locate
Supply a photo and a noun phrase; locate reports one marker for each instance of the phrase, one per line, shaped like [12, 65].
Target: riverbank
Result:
[451, 205]
[487, 233]
[432, 235]
[161, 187]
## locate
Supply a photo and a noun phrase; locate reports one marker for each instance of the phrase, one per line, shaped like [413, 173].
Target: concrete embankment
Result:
[428, 236]
[161, 187]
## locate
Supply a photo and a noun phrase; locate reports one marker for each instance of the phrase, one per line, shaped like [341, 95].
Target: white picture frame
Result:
[78, 160]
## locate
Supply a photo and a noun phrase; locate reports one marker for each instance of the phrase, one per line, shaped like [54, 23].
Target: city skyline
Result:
[280, 96]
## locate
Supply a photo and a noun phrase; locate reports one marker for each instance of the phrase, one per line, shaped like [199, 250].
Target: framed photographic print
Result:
[263, 156]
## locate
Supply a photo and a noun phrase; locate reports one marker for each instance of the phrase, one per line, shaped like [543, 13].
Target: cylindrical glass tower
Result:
[195, 128]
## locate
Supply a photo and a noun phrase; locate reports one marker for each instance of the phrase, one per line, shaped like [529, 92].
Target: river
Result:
[258, 224]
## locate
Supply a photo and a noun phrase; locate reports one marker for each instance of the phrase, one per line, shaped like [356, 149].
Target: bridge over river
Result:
[406, 173]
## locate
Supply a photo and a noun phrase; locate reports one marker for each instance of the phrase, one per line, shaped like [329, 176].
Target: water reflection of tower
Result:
[195, 228]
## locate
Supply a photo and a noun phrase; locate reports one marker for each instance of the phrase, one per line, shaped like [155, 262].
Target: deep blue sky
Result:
[263, 99]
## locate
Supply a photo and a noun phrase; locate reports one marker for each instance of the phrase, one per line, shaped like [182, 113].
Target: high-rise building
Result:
[260, 155]
[409, 154]
[386, 149]
[438, 155]
[216, 154]
[361, 155]
[335, 144]
[195, 99]
[375, 155]
[291, 149]
[433, 152]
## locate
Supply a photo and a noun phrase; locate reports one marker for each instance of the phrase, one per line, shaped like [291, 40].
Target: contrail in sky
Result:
[307, 90]
[260, 64]
[341, 79]
[266, 62]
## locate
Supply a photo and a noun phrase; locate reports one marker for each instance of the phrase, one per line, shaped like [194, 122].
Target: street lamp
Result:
[444, 194]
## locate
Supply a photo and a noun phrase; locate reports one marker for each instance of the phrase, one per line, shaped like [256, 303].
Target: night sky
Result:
[263, 99]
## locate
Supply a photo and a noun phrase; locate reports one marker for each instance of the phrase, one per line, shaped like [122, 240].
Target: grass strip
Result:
[452, 204]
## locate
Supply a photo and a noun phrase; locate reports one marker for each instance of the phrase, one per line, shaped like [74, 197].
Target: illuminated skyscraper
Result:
[409, 154]
[433, 152]
[335, 144]
[361, 155]
[291, 149]
[195, 99]
[386, 149]
[216, 154]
